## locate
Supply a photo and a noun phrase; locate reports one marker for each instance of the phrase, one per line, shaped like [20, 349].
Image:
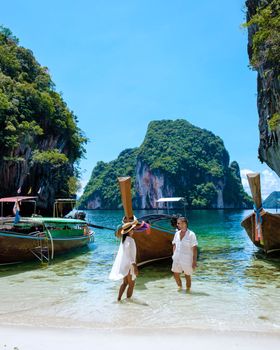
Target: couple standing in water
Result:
[184, 257]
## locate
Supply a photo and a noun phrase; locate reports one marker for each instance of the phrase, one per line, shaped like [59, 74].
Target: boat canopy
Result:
[16, 199]
[63, 206]
[170, 199]
[56, 220]
[37, 220]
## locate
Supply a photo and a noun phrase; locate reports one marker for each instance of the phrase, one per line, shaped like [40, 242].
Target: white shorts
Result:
[179, 268]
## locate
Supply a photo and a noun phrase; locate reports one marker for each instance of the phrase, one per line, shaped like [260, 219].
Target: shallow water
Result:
[234, 287]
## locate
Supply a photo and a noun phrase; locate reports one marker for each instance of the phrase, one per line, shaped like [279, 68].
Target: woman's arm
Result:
[135, 269]
[133, 253]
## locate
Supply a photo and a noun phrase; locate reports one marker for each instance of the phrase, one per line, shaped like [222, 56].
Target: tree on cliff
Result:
[265, 23]
[40, 142]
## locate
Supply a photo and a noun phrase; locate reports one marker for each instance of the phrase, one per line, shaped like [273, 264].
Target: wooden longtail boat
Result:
[262, 227]
[153, 234]
[40, 238]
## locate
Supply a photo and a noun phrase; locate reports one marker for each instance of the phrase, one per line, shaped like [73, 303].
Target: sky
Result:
[120, 64]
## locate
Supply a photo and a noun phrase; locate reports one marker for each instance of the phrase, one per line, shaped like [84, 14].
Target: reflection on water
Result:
[234, 287]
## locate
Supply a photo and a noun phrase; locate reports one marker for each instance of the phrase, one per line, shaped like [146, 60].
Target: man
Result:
[184, 253]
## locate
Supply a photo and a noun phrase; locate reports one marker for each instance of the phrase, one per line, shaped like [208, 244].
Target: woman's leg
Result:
[131, 285]
[122, 288]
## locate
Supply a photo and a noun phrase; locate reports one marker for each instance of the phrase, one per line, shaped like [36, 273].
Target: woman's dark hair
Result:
[124, 237]
[173, 220]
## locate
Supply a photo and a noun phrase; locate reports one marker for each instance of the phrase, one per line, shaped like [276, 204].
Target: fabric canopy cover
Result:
[16, 199]
[170, 199]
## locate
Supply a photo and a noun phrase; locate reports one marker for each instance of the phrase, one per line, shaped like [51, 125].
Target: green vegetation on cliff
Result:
[266, 38]
[103, 181]
[178, 146]
[193, 162]
[263, 23]
[36, 125]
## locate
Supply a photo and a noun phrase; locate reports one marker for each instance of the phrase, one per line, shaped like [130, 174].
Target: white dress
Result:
[125, 258]
[183, 255]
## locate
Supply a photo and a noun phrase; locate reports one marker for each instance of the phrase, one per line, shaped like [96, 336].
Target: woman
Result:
[184, 253]
[125, 263]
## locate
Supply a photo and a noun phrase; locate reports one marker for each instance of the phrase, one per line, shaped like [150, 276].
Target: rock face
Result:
[24, 177]
[264, 58]
[150, 186]
[176, 159]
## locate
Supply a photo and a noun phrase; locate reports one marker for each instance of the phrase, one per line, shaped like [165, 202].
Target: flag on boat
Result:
[16, 212]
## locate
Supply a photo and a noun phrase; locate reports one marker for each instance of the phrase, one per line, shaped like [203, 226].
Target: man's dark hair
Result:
[184, 219]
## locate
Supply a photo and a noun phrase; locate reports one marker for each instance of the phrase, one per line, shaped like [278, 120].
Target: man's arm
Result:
[194, 265]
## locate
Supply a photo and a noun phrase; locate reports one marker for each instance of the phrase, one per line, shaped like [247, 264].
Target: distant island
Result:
[272, 201]
[177, 159]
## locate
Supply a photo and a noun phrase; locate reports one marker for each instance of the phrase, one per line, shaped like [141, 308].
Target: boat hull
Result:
[153, 245]
[153, 238]
[153, 233]
[16, 248]
[270, 231]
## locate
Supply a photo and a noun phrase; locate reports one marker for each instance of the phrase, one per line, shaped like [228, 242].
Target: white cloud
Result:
[83, 183]
[269, 181]
[244, 180]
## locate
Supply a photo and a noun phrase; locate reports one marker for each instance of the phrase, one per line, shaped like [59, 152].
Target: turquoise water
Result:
[234, 287]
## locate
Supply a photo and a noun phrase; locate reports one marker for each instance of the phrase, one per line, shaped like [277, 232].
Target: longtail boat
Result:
[153, 234]
[262, 227]
[28, 238]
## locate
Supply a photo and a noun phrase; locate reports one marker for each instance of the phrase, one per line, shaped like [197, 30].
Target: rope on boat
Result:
[258, 226]
[51, 239]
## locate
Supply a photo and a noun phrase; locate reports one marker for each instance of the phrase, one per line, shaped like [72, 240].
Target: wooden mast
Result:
[255, 187]
[125, 188]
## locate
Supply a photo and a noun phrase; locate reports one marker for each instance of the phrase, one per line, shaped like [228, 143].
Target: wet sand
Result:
[30, 338]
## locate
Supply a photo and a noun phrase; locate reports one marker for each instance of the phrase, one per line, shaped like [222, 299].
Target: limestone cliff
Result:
[40, 142]
[263, 21]
[175, 159]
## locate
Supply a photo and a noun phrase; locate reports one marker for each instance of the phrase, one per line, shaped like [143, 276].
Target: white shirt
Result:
[184, 253]
[126, 256]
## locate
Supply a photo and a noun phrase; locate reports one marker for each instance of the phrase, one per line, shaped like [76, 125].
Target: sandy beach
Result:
[30, 338]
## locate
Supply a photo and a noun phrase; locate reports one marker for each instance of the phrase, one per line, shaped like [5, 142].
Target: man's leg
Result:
[188, 282]
[178, 279]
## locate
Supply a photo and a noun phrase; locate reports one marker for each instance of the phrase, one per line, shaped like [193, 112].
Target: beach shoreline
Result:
[37, 338]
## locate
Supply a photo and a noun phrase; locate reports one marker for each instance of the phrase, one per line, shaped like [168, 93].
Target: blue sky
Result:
[120, 64]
